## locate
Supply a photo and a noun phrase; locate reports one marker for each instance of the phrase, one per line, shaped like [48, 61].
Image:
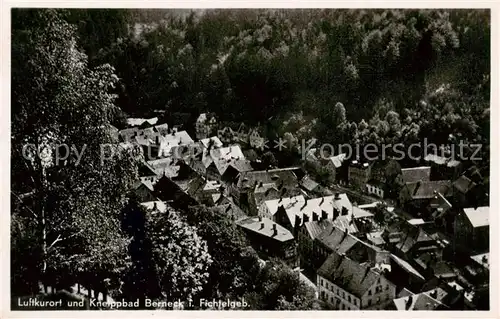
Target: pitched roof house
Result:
[422, 301]
[415, 174]
[270, 239]
[349, 285]
[293, 212]
[335, 239]
[416, 196]
[472, 229]
[252, 188]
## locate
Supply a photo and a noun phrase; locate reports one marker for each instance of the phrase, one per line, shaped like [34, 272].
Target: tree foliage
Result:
[70, 207]
[280, 288]
[169, 259]
[234, 262]
[181, 256]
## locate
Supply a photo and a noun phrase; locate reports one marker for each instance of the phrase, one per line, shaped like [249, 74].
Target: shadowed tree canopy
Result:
[71, 206]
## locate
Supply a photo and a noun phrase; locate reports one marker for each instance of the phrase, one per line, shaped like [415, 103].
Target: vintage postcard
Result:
[309, 159]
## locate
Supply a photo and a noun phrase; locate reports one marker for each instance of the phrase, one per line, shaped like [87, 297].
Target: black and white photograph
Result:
[250, 159]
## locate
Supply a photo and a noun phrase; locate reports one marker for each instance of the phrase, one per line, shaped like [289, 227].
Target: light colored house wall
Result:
[376, 297]
[379, 294]
[337, 297]
[374, 190]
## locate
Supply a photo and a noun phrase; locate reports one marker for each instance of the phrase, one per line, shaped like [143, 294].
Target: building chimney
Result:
[155, 207]
[409, 301]
[267, 192]
[345, 211]
[416, 188]
[275, 230]
[262, 225]
[305, 204]
[336, 213]
[324, 215]
[261, 184]
[297, 221]
[260, 218]
[315, 217]
[337, 196]
[305, 218]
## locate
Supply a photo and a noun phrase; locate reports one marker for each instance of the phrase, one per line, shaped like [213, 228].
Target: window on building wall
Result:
[343, 294]
[349, 298]
[338, 292]
[322, 282]
[369, 292]
[323, 295]
[343, 307]
[369, 302]
[355, 302]
[386, 287]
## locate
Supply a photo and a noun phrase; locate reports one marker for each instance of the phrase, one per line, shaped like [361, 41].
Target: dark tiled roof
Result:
[463, 184]
[343, 242]
[421, 301]
[415, 174]
[277, 176]
[230, 209]
[195, 186]
[265, 228]
[426, 190]
[308, 183]
[315, 228]
[406, 266]
[405, 235]
[411, 237]
[348, 274]
[336, 238]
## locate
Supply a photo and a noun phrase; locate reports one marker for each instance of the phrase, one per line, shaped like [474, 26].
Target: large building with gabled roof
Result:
[346, 284]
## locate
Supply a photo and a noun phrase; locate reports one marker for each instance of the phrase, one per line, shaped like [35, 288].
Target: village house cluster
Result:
[377, 236]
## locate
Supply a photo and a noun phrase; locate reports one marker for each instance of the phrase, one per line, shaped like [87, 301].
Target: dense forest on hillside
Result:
[408, 74]
[336, 75]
